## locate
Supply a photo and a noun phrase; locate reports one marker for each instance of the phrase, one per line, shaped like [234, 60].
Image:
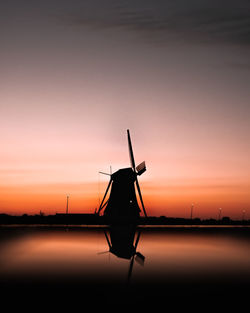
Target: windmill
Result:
[122, 203]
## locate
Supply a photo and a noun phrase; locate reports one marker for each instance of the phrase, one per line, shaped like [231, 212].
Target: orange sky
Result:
[71, 86]
[39, 171]
[161, 198]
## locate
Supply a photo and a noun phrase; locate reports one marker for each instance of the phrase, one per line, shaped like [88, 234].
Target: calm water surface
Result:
[178, 261]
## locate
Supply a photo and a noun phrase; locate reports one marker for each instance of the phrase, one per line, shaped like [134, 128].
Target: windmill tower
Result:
[122, 203]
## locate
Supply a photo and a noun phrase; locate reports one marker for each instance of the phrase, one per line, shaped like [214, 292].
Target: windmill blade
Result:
[139, 191]
[137, 239]
[107, 238]
[131, 267]
[140, 258]
[131, 155]
[104, 204]
[103, 252]
[105, 173]
[101, 205]
[141, 168]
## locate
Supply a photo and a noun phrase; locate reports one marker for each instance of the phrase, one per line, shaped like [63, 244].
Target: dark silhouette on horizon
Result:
[94, 219]
[122, 203]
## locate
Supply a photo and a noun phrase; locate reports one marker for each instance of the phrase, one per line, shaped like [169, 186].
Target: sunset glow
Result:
[74, 80]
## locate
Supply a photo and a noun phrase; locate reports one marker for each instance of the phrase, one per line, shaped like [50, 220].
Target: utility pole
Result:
[191, 213]
[67, 206]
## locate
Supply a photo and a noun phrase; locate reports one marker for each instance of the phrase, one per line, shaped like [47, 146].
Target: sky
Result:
[75, 75]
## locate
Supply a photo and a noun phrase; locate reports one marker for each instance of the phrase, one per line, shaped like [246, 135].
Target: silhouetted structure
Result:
[94, 219]
[122, 204]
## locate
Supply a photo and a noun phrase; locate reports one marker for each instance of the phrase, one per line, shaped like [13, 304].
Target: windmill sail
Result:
[141, 168]
[131, 154]
[140, 195]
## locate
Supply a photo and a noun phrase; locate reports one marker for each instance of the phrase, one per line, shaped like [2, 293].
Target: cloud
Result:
[190, 21]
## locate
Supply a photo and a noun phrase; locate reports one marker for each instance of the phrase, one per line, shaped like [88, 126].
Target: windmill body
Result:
[122, 201]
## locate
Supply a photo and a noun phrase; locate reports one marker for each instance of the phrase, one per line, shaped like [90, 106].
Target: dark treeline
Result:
[93, 219]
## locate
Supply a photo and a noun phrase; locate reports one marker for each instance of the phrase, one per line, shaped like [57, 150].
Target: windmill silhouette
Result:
[122, 203]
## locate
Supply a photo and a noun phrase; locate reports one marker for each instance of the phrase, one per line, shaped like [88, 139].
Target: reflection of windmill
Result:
[122, 244]
[122, 202]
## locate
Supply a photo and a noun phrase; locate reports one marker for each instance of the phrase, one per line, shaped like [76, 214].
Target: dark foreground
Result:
[54, 268]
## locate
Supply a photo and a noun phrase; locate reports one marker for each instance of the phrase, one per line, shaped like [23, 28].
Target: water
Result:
[74, 262]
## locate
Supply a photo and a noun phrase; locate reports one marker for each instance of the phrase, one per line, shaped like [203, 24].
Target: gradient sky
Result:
[76, 74]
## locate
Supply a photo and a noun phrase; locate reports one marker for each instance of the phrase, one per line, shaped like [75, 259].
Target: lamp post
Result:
[191, 213]
[219, 217]
[243, 215]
